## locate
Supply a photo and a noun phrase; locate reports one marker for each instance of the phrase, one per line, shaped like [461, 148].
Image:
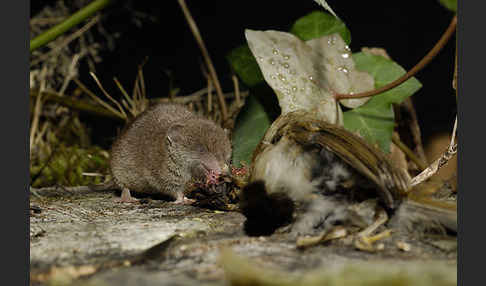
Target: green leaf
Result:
[375, 120]
[251, 125]
[245, 65]
[449, 4]
[318, 24]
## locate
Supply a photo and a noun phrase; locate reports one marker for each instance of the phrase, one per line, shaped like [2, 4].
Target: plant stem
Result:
[85, 106]
[207, 58]
[76, 104]
[409, 153]
[420, 65]
[70, 22]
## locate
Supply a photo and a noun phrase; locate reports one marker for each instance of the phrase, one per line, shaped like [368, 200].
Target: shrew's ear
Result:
[174, 134]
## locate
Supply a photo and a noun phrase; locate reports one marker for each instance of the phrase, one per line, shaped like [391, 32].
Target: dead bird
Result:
[306, 173]
[164, 150]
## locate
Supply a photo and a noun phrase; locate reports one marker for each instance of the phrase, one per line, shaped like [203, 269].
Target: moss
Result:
[67, 165]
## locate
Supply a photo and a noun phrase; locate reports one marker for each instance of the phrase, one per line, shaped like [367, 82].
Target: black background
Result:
[407, 30]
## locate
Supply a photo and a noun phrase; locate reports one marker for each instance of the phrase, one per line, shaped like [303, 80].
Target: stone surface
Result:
[90, 239]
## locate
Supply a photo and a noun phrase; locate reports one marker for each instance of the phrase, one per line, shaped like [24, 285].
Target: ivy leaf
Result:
[287, 64]
[304, 75]
[375, 119]
[245, 65]
[251, 125]
[332, 60]
[317, 24]
[449, 4]
[311, 26]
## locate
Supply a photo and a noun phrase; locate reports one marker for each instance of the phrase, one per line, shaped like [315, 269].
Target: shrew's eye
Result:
[201, 148]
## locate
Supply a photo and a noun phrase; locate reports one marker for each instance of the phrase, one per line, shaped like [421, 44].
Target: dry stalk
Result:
[124, 93]
[210, 95]
[37, 109]
[410, 154]
[108, 95]
[41, 133]
[441, 161]
[207, 59]
[46, 21]
[198, 96]
[139, 100]
[72, 72]
[237, 89]
[454, 80]
[97, 99]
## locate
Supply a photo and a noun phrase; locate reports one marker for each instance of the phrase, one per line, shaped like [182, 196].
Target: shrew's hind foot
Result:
[126, 197]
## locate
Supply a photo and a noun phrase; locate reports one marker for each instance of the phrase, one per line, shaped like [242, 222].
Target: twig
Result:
[71, 72]
[423, 62]
[441, 161]
[136, 88]
[454, 80]
[212, 71]
[308, 241]
[410, 154]
[210, 89]
[121, 111]
[41, 132]
[97, 99]
[197, 96]
[76, 104]
[381, 219]
[210, 95]
[85, 106]
[34, 192]
[70, 22]
[124, 92]
[237, 89]
[37, 109]
[141, 82]
[55, 188]
[46, 21]
[90, 174]
[415, 130]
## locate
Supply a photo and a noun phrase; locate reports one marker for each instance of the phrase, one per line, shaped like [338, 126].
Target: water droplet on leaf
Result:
[331, 40]
[343, 69]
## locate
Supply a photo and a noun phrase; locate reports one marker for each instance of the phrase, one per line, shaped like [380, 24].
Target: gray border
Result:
[14, 118]
[471, 102]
